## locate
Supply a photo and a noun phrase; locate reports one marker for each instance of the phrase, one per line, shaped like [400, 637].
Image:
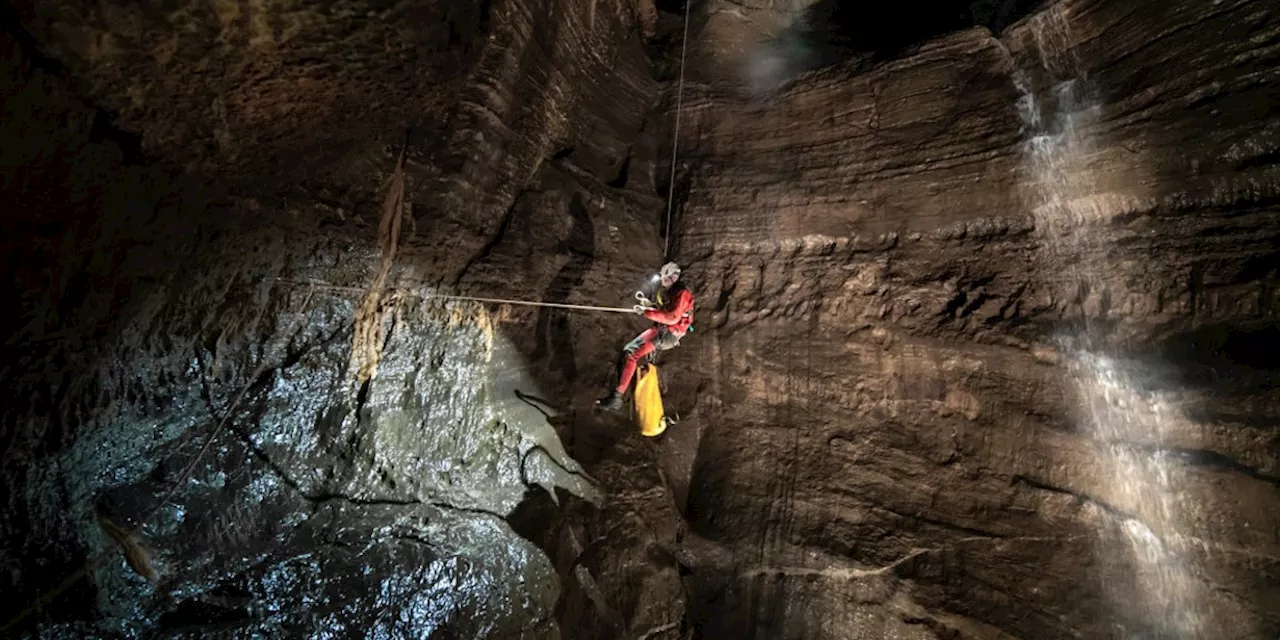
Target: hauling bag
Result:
[648, 402]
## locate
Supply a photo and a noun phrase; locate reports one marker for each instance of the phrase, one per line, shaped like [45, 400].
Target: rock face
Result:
[981, 350]
[979, 347]
[310, 461]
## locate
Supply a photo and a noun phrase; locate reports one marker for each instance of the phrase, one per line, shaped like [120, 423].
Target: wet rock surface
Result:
[298, 463]
[883, 432]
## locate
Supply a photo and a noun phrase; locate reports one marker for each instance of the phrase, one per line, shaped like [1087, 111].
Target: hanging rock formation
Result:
[880, 434]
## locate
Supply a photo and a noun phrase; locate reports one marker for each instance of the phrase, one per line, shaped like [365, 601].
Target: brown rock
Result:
[935, 389]
[927, 434]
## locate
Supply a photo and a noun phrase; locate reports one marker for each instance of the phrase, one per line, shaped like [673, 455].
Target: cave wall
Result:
[879, 434]
[181, 168]
[886, 417]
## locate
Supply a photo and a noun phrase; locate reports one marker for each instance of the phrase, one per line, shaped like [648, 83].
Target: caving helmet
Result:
[669, 273]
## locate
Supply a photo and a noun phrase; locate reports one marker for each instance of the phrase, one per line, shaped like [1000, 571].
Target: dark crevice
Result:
[554, 336]
[12, 25]
[726, 293]
[493, 242]
[534, 519]
[409, 537]
[362, 396]
[1079, 496]
[130, 144]
[1212, 460]
[1261, 268]
[537, 447]
[1265, 159]
[1195, 288]
[1221, 347]
[937, 629]
[975, 304]
[953, 527]
[196, 616]
[619, 181]
[472, 510]
[954, 305]
[103, 126]
[322, 498]
[535, 402]
[275, 468]
[982, 282]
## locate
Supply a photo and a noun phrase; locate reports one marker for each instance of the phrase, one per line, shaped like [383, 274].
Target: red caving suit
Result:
[672, 319]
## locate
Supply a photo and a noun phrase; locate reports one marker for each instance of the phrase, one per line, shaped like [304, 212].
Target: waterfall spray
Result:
[1057, 108]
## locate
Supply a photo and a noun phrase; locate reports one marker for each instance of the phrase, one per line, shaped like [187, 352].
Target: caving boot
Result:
[611, 402]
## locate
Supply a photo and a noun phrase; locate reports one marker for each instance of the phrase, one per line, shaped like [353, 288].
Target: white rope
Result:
[582, 307]
[675, 136]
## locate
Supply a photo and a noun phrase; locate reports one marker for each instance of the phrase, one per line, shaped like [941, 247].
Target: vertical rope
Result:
[675, 135]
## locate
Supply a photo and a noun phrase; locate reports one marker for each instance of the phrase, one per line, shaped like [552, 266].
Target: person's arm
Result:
[684, 302]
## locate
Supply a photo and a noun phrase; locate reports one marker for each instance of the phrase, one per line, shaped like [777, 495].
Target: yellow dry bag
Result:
[648, 402]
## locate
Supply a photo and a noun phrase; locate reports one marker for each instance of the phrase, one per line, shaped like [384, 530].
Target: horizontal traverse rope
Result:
[441, 296]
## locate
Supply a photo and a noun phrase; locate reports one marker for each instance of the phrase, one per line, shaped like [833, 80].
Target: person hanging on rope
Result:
[672, 316]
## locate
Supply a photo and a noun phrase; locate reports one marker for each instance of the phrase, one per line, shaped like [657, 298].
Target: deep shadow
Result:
[555, 336]
[541, 520]
[1223, 345]
[829, 32]
[534, 519]
[620, 180]
[130, 144]
[197, 616]
[1224, 357]
[840, 28]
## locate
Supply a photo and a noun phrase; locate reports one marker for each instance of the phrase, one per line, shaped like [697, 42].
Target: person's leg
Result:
[635, 350]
